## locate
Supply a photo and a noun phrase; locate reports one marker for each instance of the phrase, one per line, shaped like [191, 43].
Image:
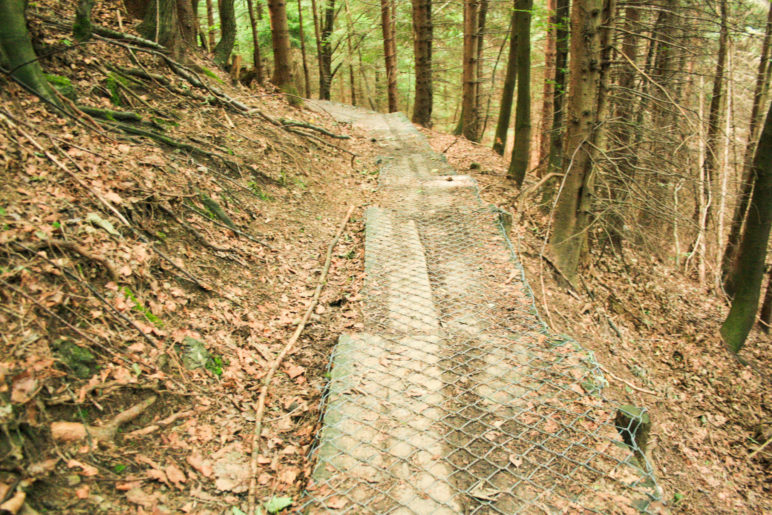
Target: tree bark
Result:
[282, 69]
[389, 54]
[753, 247]
[210, 33]
[17, 53]
[81, 29]
[507, 94]
[741, 208]
[571, 218]
[306, 80]
[547, 105]
[257, 61]
[325, 50]
[422, 44]
[482, 15]
[714, 114]
[521, 150]
[469, 114]
[174, 26]
[222, 52]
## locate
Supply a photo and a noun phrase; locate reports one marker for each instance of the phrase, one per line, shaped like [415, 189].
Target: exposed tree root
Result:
[76, 431]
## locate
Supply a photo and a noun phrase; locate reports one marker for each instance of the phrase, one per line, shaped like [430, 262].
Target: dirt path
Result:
[455, 398]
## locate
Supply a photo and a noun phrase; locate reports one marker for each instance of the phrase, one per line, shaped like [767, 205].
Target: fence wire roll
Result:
[456, 398]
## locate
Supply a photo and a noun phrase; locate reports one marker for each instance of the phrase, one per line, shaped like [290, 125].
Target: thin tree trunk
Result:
[753, 248]
[318, 38]
[724, 170]
[222, 52]
[478, 102]
[81, 29]
[257, 61]
[469, 113]
[714, 114]
[522, 147]
[325, 55]
[389, 54]
[507, 94]
[572, 213]
[210, 32]
[306, 80]
[741, 208]
[545, 122]
[422, 45]
[351, 78]
[282, 69]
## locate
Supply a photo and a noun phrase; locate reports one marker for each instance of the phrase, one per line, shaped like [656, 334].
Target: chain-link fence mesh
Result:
[456, 398]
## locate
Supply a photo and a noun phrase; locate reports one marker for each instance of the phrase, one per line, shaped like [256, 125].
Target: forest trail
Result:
[455, 398]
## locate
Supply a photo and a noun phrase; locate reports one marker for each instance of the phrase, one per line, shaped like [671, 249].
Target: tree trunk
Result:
[481, 17]
[522, 147]
[81, 29]
[17, 53]
[257, 61]
[545, 121]
[554, 159]
[318, 39]
[714, 114]
[389, 54]
[741, 208]
[222, 52]
[469, 114]
[753, 247]
[174, 29]
[210, 25]
[282, 69]
[765, 317]
[507, 94]
[325, 49]
[422, 44]
[306, 80]
[571, 218]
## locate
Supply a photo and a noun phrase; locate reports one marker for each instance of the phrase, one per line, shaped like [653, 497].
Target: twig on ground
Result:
[79, 249]
[237, 231]
[260, 410]
[754, 453]
[75, 431]
[628, 383]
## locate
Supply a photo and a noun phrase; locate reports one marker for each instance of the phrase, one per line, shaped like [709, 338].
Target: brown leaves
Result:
[24, 387]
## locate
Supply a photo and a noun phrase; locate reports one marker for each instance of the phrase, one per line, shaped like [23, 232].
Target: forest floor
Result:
[146, 290]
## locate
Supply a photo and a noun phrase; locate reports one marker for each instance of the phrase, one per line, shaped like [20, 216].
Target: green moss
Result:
[209, 73]
[138, 306]
[78, 359]
[63, 85]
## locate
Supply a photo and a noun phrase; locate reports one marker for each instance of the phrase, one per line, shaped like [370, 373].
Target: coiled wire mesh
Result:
[456, 398]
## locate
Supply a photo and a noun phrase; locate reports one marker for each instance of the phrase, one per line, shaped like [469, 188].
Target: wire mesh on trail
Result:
[456, 398]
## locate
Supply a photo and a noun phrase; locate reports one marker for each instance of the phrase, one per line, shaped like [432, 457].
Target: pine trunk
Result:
[548, 89]
[572, 211]
[752, 251]
[478, 100]
[257, 61]
[741, 208]
[210, 25]
[507, 94]
[306, 79]
[282, 69]
[222, 52]
[325, 50]
[389, 54]
[522, 147]
[469, 114]
[422, 44]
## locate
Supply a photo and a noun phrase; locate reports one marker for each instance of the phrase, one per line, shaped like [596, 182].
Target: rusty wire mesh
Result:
[456, 398]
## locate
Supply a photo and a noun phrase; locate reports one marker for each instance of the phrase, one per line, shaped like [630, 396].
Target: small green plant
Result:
[142, 309]
[119, 468]
[210, 73]
[214, 364]
[257, 190]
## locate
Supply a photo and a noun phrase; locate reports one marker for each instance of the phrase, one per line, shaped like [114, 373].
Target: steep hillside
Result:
[148, 283]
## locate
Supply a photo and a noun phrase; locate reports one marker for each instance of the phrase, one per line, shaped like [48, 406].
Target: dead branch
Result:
[260, 410]
[76, 431]
[292, 123]
[628, 383]
[200, 237]
[237, 231]
[158, 425]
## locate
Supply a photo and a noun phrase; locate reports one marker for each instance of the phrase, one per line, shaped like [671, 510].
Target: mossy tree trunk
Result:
[752, 251]
[222, 52]
[325, 50]
[16, 51]
[81, 29]
[766, 308]
[522, 148]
